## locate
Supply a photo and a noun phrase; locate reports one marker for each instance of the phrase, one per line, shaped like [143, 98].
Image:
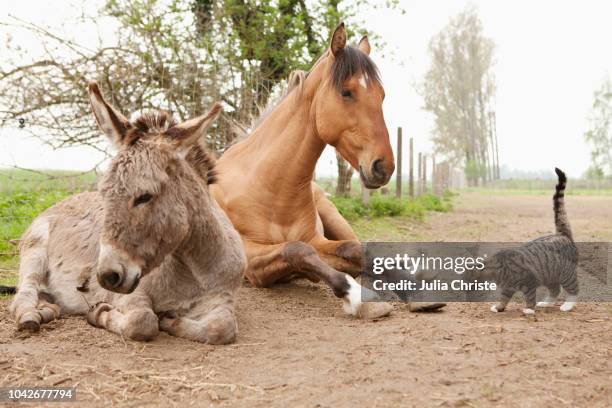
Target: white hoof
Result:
[353, 305]
[528, 311]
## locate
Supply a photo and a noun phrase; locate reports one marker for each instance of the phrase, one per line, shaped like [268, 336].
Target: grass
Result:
[353, 208]
[23, 196]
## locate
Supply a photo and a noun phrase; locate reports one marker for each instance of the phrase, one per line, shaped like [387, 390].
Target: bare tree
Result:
[458, 90]
[599, 133]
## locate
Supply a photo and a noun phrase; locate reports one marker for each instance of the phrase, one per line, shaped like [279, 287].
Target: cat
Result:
[550, 261]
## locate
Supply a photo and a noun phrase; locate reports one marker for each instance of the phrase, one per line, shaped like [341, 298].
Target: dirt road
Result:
[297, 348]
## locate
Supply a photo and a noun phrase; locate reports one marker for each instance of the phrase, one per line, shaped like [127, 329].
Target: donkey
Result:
[165, 256]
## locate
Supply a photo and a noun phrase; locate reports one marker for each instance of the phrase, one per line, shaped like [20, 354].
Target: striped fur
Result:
[549, 261]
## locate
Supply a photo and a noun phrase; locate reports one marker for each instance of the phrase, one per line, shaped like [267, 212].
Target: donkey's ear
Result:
[364, 45]
[187, 133]
[112, 123]
[338, 41]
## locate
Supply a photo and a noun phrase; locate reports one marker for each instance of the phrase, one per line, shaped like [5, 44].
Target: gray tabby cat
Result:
[550, 261]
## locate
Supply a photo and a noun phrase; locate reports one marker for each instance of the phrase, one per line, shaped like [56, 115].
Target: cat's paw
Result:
[567, 306]
[545, 303]
[494, 308]
[527, 311]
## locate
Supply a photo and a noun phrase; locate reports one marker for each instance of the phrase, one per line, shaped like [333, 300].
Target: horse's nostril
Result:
[112, 279]
[378, 168]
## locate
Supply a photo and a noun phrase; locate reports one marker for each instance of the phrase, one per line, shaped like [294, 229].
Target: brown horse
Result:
[266, 184]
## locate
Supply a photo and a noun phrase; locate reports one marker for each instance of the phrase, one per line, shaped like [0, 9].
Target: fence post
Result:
[411, 171]
[365, 194]
[424, 174]
[398, 168]
[420, 175]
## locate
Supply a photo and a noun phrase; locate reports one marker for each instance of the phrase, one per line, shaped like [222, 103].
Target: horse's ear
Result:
[185, 134]
[338, 41]
[364, 45]
[112, 123]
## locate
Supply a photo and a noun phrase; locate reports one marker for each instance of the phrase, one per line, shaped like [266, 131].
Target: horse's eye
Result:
[346, 93]
[142, 199]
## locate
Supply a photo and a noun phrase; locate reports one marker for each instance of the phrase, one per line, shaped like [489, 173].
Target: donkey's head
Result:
[348, 106]
[150, 191]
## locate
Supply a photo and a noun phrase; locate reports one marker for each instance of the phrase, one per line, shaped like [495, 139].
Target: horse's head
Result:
[150, 191]
[348, 108]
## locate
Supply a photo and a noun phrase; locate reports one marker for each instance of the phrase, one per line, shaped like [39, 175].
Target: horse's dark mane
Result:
[350, 61]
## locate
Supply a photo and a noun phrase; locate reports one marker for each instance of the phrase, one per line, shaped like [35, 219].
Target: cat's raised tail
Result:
[561, 222]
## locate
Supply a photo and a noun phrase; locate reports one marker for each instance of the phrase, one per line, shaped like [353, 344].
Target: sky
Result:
[550, 58]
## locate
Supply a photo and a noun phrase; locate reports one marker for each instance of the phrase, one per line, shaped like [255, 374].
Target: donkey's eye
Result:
[346, 93]
[142, 199]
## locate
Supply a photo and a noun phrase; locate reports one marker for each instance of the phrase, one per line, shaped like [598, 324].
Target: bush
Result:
[381, 206]
[434, 203]
[353, 208]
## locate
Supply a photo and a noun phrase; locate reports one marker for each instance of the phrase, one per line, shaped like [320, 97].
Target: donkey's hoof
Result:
[374, 310]
[29, 321]
[94, 313]
[425, 306]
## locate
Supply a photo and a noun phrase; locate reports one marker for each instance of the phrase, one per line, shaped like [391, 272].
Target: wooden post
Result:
[420, 175]
[424, 173]
[365, 194]
[398, 168]
[411, 171]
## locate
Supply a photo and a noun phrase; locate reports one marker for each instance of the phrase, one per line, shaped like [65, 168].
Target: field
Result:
[297, 348]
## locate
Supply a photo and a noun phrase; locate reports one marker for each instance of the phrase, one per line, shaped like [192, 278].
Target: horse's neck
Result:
[287, 145]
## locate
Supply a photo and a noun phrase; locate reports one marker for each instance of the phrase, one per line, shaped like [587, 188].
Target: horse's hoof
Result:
[29, 321]
[374, 310]
[425, 306]
[94, 313]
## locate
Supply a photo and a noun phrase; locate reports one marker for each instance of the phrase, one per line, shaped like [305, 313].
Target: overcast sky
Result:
[550, 57]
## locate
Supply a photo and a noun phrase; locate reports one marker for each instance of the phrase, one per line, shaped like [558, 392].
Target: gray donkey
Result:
[152, 235]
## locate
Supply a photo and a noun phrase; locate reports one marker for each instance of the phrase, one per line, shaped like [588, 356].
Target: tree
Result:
[599, 133]
[458, 90]
[178, 55]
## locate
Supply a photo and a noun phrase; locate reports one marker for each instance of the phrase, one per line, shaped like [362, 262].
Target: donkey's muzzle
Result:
[110, 280]
[120, 282]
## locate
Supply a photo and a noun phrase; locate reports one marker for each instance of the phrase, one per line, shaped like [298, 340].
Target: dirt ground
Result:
[297, 348]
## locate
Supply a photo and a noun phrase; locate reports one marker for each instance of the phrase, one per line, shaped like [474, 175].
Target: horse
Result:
[149, 251]
[266, 184]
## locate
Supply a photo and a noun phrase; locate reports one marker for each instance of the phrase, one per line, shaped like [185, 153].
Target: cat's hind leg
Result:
[570, 285]
[551, 298]
[530, 300]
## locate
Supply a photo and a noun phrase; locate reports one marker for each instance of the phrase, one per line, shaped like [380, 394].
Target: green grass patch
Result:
[353, 208]
[23, 196]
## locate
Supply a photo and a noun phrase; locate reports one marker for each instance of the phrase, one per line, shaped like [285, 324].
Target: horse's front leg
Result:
[134, 319]
[345, 255]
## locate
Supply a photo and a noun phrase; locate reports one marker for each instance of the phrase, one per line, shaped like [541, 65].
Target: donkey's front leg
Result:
[216, 327]
[138, 322]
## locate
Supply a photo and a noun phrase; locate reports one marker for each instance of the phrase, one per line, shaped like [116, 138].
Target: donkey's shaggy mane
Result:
[160, 122]
[154, 121]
